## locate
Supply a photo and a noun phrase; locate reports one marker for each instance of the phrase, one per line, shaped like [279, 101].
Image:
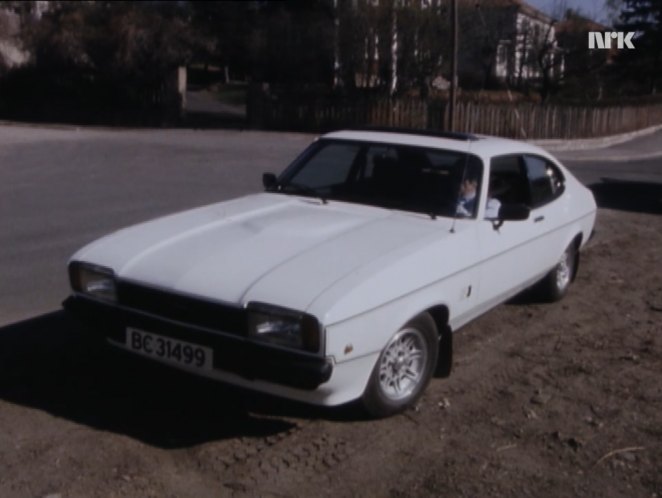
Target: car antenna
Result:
[457, 197]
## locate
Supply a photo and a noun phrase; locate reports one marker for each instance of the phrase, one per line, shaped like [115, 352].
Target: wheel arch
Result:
[577, 243]
[440, 314]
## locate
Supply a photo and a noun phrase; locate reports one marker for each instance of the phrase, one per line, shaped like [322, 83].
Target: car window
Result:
[403, 177]
[508, 180]
[330, 166]
[558, 180]
[545, 179]
[525, 179]
[376, 154]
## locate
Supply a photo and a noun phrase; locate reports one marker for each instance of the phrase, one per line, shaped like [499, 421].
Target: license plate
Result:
[169, 350]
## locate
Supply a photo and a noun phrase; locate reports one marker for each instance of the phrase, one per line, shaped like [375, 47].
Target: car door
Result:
[517, 253]
[548, 210]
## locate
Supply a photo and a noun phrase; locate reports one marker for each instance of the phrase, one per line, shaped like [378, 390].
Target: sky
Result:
[593, 9]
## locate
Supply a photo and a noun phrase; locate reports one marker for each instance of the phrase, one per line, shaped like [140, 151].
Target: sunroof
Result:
[453, 135]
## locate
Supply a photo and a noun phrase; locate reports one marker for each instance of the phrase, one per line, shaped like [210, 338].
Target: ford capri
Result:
[346, 277]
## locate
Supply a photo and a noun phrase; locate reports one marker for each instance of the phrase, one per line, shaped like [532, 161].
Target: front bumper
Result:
[233, 354]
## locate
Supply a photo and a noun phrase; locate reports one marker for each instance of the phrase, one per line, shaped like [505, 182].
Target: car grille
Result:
[188, 310]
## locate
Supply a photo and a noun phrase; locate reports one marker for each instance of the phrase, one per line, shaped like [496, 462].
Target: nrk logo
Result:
[596, 39]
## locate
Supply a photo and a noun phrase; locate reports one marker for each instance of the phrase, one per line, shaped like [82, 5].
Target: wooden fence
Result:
[517, 120]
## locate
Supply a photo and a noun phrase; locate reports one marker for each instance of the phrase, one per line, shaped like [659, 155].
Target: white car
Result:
[345, 278]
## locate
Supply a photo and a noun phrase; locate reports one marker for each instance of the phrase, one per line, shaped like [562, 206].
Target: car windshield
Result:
[392, 176]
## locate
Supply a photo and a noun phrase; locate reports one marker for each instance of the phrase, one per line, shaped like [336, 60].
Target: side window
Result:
[545, 180]
[558, 180]
[508, 181]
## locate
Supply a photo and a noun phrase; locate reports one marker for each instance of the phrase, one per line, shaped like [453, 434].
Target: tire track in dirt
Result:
[249, 467]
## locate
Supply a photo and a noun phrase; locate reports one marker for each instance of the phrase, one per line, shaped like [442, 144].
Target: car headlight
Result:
[93, 281]
[283, 327]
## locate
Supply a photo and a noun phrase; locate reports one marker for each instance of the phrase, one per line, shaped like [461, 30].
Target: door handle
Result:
[538, 218]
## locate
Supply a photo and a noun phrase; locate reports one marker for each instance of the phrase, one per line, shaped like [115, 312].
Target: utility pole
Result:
[337, 67]
[394, 46]
[453, 89]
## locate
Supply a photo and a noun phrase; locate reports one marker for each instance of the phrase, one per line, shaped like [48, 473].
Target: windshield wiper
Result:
[302, 189]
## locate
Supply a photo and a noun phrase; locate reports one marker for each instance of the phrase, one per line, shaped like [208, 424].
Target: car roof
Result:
[482, 145]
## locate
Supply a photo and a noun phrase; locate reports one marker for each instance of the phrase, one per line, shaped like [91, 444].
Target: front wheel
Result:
[555, 285]
[403, 369]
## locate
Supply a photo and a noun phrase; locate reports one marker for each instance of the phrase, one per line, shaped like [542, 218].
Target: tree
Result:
[547, 59]
[293, 42]
[483, 25]
[640, 70]
[392, 45]
[584, 69]
[96, 59]
[225, 34]
[612, 11]
[424, 44]
[137, 41]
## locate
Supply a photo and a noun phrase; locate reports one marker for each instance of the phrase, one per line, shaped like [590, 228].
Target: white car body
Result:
[363, 271]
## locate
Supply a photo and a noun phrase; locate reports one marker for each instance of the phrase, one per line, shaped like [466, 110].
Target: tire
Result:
[556, 283]
[403, 368]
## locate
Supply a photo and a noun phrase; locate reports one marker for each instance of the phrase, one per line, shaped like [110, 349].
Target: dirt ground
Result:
[545, 400]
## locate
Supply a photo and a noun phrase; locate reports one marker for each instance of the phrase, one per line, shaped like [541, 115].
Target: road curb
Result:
[611, 159]
[551, 145]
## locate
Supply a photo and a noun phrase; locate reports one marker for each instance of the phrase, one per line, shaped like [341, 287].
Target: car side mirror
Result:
[269, 181]
[511, 212]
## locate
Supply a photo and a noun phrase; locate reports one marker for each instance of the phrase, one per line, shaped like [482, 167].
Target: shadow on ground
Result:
[623, 195]
[51, 364]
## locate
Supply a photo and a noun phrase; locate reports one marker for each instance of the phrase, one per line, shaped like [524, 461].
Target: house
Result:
[397, 42]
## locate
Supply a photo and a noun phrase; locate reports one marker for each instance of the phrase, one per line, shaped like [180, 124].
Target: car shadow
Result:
[624, 195]
[529, 297]
[50, 363]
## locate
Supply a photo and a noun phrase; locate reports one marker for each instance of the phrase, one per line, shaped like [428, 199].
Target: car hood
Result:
[265, 247]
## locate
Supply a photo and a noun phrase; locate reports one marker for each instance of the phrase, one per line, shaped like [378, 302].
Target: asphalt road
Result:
[62, 188]
[595, 171]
